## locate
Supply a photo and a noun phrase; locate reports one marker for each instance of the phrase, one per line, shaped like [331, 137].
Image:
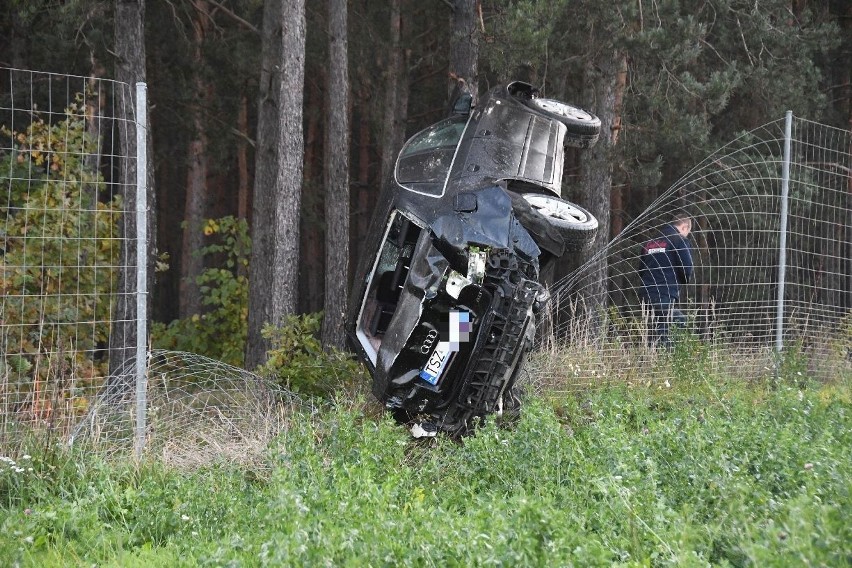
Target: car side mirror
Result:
[463, 104]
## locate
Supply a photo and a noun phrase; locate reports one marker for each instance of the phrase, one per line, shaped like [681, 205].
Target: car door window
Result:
[427, 156]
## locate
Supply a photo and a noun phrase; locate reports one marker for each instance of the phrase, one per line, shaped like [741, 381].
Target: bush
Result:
[221, 331]
[298, 362]
[57, 267]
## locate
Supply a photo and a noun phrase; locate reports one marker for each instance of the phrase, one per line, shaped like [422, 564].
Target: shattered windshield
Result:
[427, 156]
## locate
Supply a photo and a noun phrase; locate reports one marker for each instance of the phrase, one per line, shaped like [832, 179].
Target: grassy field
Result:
[691, 475]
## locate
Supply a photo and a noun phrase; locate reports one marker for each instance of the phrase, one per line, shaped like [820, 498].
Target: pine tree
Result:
[336, 179]
[274, 268]
[129, 69]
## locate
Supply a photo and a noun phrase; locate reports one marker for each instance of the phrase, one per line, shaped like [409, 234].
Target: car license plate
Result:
[436, 364]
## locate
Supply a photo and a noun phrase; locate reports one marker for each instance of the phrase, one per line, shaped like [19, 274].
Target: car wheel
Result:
[575, 225]
[583, 127]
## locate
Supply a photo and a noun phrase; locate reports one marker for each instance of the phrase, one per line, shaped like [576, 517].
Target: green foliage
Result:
[793, 364]
[57, 270]
[298, 362]
[108, 511]
[840, 345]
[745, 475]
[296, 358]
[690, 356]
[697, 74]
[221, 331]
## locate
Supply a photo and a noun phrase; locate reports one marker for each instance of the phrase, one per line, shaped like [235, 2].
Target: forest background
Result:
[255, 120]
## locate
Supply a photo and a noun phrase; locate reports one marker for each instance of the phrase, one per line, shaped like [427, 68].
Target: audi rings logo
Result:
[429, 341]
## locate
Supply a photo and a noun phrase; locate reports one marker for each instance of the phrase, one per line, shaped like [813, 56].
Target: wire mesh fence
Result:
[198, 411]
[771, 291]
[63, 160]
[73, 290]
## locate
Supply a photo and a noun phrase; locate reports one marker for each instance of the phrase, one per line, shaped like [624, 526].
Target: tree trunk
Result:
[278, 174]
[311, 235]
[242, 159]
[464, 49]
[364, 190]
[365, 186]
[129, 69]
[242, 169]
[191, 263]
[95, 109]
[617, 196]
[396, 96]
[289, 180]
[18, 40]
[844, 107]
[265, 172]
[336, 180]
[601, 79]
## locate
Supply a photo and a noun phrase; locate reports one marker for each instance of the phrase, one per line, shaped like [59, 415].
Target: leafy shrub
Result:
[296, 358]
[221, 331]
[840, 346]
[57, 269]
[298, 361]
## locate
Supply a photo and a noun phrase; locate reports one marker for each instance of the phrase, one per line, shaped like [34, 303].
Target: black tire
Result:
[584, 128]
[575, 225]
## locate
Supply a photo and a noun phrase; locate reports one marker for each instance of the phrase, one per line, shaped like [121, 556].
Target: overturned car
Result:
[443, 309]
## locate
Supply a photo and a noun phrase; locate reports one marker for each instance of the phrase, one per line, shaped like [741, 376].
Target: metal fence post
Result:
[782, 245]
[141, 265]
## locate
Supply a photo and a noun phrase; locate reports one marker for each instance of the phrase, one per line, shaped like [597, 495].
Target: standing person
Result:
[665, 265]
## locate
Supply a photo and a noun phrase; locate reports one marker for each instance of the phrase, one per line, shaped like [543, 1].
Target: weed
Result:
[298, 362]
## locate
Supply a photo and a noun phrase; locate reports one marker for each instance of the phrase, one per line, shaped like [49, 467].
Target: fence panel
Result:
[62, 209]
[732, 302]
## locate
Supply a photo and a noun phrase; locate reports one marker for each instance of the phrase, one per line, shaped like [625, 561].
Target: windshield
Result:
[427, 156]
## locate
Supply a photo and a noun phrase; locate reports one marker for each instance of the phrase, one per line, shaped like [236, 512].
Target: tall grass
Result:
[743, 473]
[590, 349]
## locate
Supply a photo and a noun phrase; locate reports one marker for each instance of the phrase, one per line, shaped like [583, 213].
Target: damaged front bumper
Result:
[464, 315]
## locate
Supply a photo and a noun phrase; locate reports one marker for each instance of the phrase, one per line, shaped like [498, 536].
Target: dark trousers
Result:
[666, 314]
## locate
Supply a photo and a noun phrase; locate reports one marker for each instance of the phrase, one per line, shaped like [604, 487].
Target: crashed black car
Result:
[446, 294]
